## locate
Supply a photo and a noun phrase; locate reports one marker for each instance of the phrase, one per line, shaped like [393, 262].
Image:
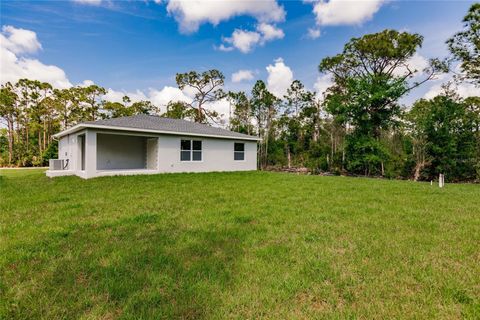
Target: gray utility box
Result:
[56, 164]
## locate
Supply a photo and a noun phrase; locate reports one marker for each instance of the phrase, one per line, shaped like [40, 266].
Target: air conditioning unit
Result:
[56, 164]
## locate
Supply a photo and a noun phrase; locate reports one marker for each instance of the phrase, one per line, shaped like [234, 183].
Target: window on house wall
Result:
[196, 150]
[239, 151]
[191, 150]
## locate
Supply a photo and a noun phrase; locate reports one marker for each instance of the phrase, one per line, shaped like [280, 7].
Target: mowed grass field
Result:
[237, 245]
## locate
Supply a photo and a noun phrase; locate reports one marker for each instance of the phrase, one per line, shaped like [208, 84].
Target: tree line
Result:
[32, 111]
[357, 126]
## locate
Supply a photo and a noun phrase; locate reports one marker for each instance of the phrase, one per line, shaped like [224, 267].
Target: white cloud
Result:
[137, 96]
[463, 89]
[89, 2]
[243, 75]
[117, 96]
[245, 40]
[161, 97]
[416, 63]
[468, 90]
[225, 48]
[270, 32]
[164, 96]
[280, 77]
[313, 33]
[222, 107]
[14, 44]
[191, 14]
[322, 83]
[19, 40]
[14, 68]
[86, 83]
[342, 12]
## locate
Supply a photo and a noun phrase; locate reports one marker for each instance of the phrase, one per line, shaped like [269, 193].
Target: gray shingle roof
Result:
[156, 123]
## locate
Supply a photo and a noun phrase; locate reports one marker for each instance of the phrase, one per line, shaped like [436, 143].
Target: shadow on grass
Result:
[138, 267]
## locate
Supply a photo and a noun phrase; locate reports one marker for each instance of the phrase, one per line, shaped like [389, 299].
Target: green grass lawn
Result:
[236, 245]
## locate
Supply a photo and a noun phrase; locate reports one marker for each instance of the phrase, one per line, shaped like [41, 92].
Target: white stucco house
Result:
[145, 144]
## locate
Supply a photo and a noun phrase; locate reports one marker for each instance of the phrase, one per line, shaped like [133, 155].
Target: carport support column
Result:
[90, 153]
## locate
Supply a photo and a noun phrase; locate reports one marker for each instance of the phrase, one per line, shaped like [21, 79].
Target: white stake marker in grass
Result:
[441, 180]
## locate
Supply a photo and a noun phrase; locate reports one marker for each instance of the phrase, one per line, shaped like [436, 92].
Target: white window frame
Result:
[191, 150]
[244, 151]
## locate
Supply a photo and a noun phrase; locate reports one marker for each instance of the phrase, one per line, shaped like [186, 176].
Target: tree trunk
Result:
[199, 115]
[10, 140]
[266, 152]
[418, 168]
[39, 142]
[26, 137]
[289, 157]
[269, 123]
[419, 151]
[316, 124]
[44, 136]
[333, 144]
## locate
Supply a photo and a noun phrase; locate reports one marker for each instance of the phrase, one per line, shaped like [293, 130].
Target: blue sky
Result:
[140, 45]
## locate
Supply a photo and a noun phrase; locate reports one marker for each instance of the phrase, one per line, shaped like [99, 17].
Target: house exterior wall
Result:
[68, 149]
[217, 154]
[64, 147]
[152, 153]
[120, 152]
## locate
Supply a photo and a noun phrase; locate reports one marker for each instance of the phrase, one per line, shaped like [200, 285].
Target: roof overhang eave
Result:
[81, 126]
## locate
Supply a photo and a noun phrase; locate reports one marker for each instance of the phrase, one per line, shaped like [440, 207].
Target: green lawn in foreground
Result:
[236, 245]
